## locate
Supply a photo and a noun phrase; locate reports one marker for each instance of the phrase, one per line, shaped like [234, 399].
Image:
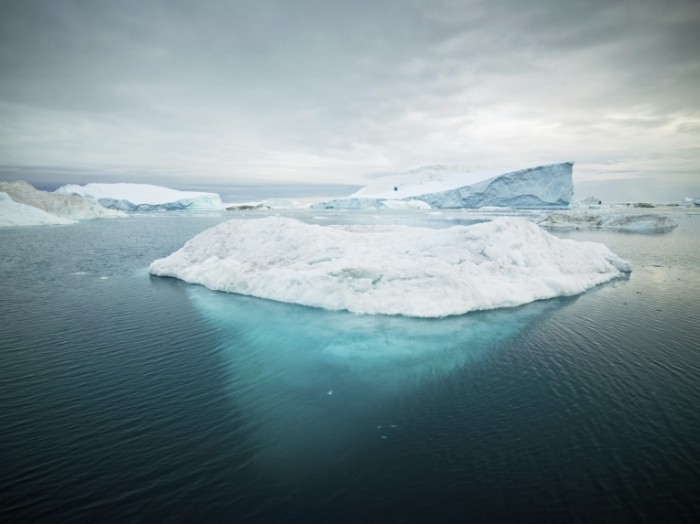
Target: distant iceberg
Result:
[17, 214]
[393, 270]
[272, 203]
[646, 223]
[457, 187]
[71, 207]
[143, 197]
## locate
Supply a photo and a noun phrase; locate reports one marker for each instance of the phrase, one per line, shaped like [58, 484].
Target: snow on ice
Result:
[391, 269]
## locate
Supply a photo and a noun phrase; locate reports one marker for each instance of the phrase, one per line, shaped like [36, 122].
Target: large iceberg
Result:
[143, 197]
[17, 214]
[457, 187]
[71, 207]
[392, 269]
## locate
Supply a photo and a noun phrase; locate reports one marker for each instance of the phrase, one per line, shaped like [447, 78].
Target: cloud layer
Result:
[337, 92]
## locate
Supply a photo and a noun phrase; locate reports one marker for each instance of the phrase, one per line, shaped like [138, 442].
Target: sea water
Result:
[128, 397]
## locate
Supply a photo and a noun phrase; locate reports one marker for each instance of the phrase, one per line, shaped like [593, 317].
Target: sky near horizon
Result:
[318, 93]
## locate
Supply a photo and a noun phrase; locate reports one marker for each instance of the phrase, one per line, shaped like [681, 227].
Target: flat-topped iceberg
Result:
[17, 214]
[70, 207]
[457, 187]
[143, 197]
[393, 270]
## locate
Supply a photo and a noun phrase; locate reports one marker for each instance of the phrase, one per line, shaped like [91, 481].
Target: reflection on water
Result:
[311, 381]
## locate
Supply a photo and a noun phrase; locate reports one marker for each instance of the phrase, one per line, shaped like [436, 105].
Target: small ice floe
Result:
[388, 426]
[79, 273]
[383, 436]
[104, 278]
[648, 223]
[329, 392]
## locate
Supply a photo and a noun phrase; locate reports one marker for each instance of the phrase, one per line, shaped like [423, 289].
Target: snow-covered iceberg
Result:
[393, 270]
[457, 187]
[143, 197]
[17, 214]
[646, 223]
[71, 207]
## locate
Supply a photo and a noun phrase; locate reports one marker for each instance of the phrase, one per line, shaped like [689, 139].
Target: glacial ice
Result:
[71, 207]
[17, 214]
[457, 187]
[283, 361]
[391, 269]
[143, 197]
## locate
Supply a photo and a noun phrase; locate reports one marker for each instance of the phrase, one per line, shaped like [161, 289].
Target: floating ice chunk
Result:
[405, 204]
[647, 223]
[272, 203]
[393, 270]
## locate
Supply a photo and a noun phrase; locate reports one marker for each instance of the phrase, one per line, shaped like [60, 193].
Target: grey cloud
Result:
[332, 90]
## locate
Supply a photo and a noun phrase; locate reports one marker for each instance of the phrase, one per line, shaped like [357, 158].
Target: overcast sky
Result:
[337, 92]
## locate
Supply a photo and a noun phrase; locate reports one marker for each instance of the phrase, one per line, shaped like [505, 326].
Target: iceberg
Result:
[17, 214]
[143, 197]
[646, 223]
[391, 269]
[65, 206]
[457, 187]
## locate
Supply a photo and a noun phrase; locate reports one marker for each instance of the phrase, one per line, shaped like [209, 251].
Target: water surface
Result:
[130, 397]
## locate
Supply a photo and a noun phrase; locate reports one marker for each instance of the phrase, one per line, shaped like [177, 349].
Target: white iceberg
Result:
[645, 223]
[393, 270]
[457, 187]
[71, 207]
[17, 214]
[143, 197]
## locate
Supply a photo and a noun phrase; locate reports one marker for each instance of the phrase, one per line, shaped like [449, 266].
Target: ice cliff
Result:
[143, 197]
[457, 187]
[393, 270]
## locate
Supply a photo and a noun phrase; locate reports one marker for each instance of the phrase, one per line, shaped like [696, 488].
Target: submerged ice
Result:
[313, 385]
[391, 269]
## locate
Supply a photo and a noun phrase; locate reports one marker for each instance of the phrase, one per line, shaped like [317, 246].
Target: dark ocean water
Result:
[129, 398]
